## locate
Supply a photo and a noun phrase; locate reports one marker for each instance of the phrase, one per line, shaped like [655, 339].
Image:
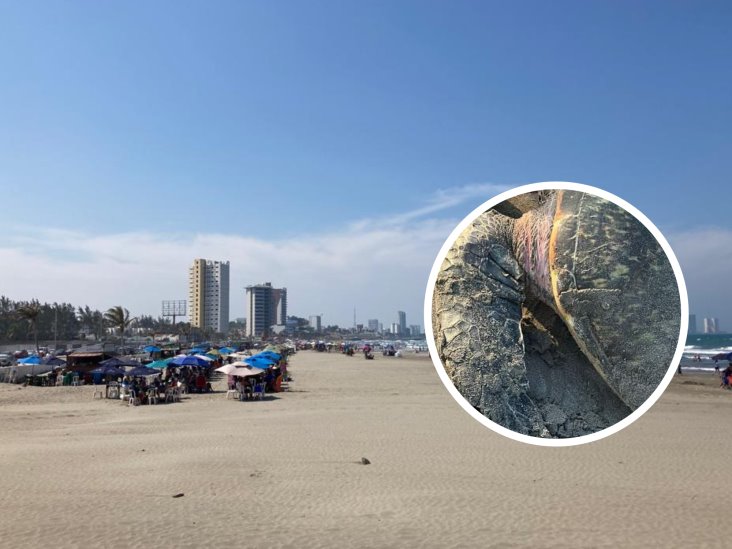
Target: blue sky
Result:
[278, 122]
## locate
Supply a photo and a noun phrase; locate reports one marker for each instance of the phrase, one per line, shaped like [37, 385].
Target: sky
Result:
[331, 147]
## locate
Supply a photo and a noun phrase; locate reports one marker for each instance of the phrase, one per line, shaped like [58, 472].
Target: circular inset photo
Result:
[555, 313]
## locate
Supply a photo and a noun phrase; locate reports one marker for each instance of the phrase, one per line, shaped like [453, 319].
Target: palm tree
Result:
[119, 318]
[86, 318]
[30, 312]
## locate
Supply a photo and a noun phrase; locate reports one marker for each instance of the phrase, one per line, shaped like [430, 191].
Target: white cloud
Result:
[378, 265]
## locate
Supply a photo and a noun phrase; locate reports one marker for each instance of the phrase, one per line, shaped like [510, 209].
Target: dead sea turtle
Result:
[592, 263]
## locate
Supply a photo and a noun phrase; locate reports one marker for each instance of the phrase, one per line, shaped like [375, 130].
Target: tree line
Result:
[32, 320]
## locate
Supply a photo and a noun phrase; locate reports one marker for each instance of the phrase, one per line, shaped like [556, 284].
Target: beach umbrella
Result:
[109, 371]
[152, 349]
[226, 369]
[204, 357]
[142, 371]
[214, 352]
[54, 361]
[226, 350]
[246, 372]
[159, 364]
[188, 361]
[271, 355]
[260, 362]
[32, 360]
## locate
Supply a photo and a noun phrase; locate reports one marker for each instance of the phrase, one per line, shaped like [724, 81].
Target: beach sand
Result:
[286, 472]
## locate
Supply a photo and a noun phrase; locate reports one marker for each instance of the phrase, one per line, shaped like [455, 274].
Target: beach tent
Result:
[33, 359]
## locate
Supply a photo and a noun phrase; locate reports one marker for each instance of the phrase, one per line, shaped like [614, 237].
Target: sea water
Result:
[700, 348]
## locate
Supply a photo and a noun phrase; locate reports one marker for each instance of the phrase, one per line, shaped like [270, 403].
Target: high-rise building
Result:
[373, 325]
[415, 329]
[692, 324]
[711, 325]
[265, 307]
[315, 323]
[402, 322]
[208, 295]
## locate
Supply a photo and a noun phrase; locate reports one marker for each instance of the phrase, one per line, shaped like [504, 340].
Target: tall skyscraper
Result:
[265, 307]
[692, 324]
[373, 325]
[402, 322]
[208, 295]
[711, 325]
[315, 323]
[415, 330]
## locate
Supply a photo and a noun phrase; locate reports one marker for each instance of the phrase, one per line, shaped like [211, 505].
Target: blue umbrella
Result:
[152, 349]
[259, 361]
[53, 361]
[109, 371]
[271, 355]
[142, 371]
[188, 361]
[226, 350]
[33, 360]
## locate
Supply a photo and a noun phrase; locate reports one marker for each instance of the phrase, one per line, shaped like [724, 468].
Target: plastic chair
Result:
[133, 401]
[75, 382]
[98, 391]
[233, 392]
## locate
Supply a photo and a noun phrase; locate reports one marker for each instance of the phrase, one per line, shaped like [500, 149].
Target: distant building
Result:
[711, 325]
[265, 307]
[394, 328]
[373, 325]
[402, 322]
[316, 323]
[208, 295]
[415, 330]
[692, 324]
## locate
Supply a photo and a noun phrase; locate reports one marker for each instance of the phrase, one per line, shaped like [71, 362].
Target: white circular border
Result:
[683, 296]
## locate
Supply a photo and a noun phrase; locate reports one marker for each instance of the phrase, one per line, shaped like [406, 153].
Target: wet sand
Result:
[286, 472]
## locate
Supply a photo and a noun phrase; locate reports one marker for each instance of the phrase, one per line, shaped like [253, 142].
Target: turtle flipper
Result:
[477, 324]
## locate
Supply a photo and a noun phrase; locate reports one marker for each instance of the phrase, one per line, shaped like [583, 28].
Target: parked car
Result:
[5, 360]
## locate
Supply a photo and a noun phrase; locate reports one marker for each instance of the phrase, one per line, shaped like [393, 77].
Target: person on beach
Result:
[727, 377]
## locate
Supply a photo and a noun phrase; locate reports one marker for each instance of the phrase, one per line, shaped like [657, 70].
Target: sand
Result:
[286, 472]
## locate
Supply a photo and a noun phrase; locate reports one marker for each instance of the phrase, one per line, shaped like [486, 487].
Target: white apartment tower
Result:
[208, 295]
[265, 307]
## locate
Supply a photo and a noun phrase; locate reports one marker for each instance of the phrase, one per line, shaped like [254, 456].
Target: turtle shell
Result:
[615, 288]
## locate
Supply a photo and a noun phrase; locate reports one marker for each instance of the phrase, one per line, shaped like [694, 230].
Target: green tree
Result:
[29, 312]
[119, 318]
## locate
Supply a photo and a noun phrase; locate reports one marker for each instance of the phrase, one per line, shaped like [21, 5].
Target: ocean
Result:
[700, 348]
